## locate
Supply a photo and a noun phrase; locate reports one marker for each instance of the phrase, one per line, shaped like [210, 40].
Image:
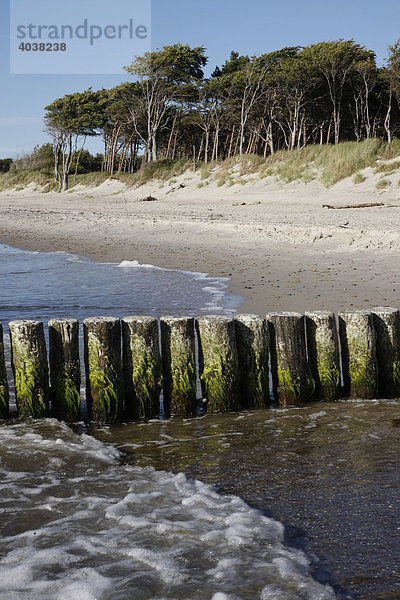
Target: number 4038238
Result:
[42, 47]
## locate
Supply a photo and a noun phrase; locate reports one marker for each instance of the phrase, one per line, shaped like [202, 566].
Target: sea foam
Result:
[77, 523]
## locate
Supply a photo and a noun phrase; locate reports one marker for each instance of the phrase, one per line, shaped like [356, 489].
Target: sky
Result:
[249, 27]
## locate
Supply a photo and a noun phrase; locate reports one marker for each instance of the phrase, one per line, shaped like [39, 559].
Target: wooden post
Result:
[31, 372]
[387, 327]
[65, 369]
[141, 367]
[323, 354]
[358, 344]
[292, 379]
[102, 337]
[219, 362]
[179, 365]
[4, 395]
[252, 338]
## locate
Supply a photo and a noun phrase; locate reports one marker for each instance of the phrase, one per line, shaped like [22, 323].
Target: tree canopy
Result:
[319, 94]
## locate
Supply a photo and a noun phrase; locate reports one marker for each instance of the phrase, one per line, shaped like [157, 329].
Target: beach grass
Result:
[327, 164]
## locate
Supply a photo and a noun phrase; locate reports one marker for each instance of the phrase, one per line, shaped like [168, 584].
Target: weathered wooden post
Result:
[141, 367]
[323, 353]
[104, 394]
[219, 362]
[387, 327]
[179, 365]
[292, 379]
[252, 339]
[31, 372]
[4, 395]
[65, 369]
[358, 345]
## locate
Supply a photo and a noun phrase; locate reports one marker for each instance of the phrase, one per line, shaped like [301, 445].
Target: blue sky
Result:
[250, 27]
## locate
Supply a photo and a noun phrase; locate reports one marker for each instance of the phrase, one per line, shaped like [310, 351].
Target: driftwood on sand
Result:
[363, 205]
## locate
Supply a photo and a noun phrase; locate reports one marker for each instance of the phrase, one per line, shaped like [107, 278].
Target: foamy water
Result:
[77, 523]
[36, 285]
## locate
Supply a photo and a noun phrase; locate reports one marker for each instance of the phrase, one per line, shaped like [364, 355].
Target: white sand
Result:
[282, 249]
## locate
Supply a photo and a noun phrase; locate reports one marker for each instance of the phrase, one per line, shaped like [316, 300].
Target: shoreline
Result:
[279, 247]
[116, 256]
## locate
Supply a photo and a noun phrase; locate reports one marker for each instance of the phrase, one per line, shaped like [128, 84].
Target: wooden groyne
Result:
[243, 362]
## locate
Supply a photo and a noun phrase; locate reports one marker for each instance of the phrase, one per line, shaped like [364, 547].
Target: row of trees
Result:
[42, 159]
[323, 93]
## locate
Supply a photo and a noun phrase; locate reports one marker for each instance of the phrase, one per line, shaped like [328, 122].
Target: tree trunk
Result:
[387, 119]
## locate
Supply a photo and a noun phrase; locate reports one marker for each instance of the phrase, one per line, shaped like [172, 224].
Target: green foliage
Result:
[14, 179]
[5, 164]
[177, 64]
[294, 98]
[78, 114]
[87, 163]
[41, 159]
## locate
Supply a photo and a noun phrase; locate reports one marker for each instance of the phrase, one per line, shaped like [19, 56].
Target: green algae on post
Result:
[292, 379]
[358, 344]
[65, 369]
[323, 354]
[141, 367]
[219, 365]
[104, 397]
[179, 365]
[252, 339]
[30, 368]
[4, 393]
[387, 326]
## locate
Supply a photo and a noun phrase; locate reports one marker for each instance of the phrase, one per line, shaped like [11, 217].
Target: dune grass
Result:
[327, 164]
[358, 178]
[20, 179]
[382, 184]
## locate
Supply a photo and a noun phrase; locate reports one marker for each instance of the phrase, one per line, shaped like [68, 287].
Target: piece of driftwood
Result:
[245, 203]
[178, 187]
[364, 205]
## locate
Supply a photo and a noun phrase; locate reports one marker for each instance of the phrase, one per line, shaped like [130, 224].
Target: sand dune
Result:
[281, 248]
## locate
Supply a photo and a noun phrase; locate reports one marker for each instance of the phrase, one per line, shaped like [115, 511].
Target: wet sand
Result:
[281, 249]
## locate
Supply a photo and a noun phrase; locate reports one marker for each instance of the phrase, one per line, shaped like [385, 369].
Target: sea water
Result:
[79, 520]
[38, 285]
[77, 523]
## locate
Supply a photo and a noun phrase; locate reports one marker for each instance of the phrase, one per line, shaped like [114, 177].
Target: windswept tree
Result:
[284, 99]
[69, 120]
[163, 77]
[391, 75]
[336, 61]
[123, 130]
[364, 80]
[292, 80]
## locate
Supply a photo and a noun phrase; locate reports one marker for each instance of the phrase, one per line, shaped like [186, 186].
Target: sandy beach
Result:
[280, 247]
